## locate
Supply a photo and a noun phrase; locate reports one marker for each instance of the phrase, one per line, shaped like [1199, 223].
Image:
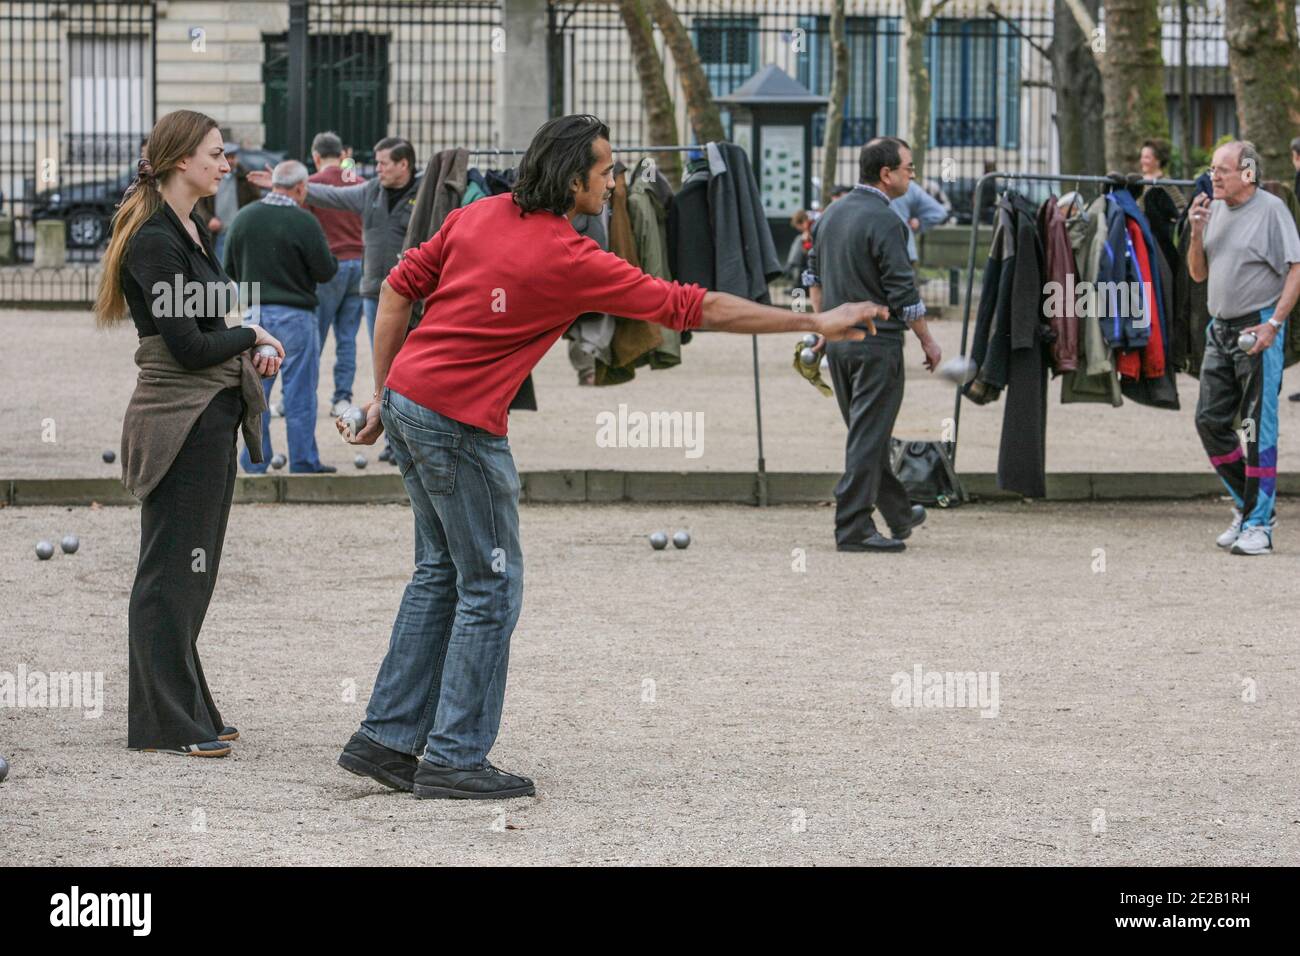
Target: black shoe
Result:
[366, 758]
[874, 542]
[228, 733]
[386, 454]
[322, 470]
[918, 519]
[433, 782]
[211, 748]
[1293, 397]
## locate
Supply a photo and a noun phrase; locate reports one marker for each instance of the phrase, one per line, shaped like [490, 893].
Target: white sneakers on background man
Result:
[1251, 541]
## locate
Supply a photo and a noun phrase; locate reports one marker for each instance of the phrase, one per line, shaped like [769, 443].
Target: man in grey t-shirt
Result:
[1245, 243]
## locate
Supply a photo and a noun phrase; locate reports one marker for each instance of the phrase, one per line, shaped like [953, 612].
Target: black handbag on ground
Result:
[926, 472]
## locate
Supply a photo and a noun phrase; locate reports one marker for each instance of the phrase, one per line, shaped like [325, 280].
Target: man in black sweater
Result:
[860, 253]
[280, 251]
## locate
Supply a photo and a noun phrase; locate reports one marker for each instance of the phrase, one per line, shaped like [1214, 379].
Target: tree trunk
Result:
[916, 26]
[1261, 37]
[1079, 99]
[703, 113]
[661, 124]
[835, 108]
[1133, 81]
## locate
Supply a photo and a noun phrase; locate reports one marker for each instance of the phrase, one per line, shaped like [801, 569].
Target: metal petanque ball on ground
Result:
[44, 550]
[359, 461]
[277, 461]
[659, 540]
[70, 544]
[682, 539]
[4, 769]
[109, 457]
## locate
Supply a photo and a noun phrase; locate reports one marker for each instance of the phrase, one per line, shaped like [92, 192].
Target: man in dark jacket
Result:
[860, 253]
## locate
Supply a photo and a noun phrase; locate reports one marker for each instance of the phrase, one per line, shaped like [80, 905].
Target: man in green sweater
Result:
[280, 250]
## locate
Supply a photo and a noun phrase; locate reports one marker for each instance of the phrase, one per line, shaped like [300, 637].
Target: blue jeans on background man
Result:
[371, 308]
[298, 332]
[339, 307]
[441, 686]
[219, 242]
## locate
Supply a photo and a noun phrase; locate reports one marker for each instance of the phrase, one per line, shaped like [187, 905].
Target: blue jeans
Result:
[298, 332]
[371, 307]
[442, 684]
[219, 241]
[339, 307]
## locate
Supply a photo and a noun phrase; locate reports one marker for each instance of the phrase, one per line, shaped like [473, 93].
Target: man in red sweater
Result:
[502, 279]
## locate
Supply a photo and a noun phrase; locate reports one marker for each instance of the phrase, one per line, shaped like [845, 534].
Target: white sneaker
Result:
[339, 407]
[1254, 540]
[1229, 537]
[277, 410]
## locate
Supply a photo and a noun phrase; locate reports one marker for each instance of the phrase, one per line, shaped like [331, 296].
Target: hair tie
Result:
[143, 174]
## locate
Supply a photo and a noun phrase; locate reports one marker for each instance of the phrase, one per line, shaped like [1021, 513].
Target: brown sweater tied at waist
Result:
[168, 400]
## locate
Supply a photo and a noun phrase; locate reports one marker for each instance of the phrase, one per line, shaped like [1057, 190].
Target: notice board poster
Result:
[782, 170]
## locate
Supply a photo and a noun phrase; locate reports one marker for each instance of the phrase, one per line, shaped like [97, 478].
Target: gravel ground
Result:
[714, 705]
[86, 378]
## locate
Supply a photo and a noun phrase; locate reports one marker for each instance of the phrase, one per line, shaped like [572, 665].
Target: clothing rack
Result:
[758, 398]
[976, 208]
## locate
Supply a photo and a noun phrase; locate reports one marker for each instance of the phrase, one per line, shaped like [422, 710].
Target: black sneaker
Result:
[918, 519]
[228, 733]
[210, 748]
[366, 758]
[874, 542]
[434, 782]
[386, 454]
[322, 470]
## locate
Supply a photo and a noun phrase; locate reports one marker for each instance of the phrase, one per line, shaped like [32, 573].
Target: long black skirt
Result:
[182, 527]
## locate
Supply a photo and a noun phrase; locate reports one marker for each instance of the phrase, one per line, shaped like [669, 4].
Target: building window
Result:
[110, 89]
[871, 106]
[974, 83]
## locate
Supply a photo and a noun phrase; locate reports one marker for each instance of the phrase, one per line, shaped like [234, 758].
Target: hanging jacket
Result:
[1148, 361]
[648, 199]
[1124, 199]
[442, 188]
[1161, 392]
[593, 331]
[690, 239]
[1022, 451]
[1094, 380]
[633, 340]
[1059, 266]
[744, 254]
[991, 344]
[1118, 272]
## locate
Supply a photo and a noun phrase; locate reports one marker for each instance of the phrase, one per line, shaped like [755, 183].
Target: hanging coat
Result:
[1022, 452]
[990, 347]
[1059, 264]
[634, 340]
[1095, 379]
[648, 199]
[744, 255]
[442, 189]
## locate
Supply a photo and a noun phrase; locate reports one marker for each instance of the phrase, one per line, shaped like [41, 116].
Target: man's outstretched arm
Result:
[723, 312]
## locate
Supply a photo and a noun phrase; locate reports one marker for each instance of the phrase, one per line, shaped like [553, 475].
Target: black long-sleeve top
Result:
[193, 327]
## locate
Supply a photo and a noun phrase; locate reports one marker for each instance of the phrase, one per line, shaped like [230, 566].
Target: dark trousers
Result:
[867, 378]
[1235, 386]
[182, 527]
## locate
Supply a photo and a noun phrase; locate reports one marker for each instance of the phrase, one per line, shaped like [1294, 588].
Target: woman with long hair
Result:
[198, 384]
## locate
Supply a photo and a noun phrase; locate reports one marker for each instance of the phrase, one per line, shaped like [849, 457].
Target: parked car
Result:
[87, 208]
